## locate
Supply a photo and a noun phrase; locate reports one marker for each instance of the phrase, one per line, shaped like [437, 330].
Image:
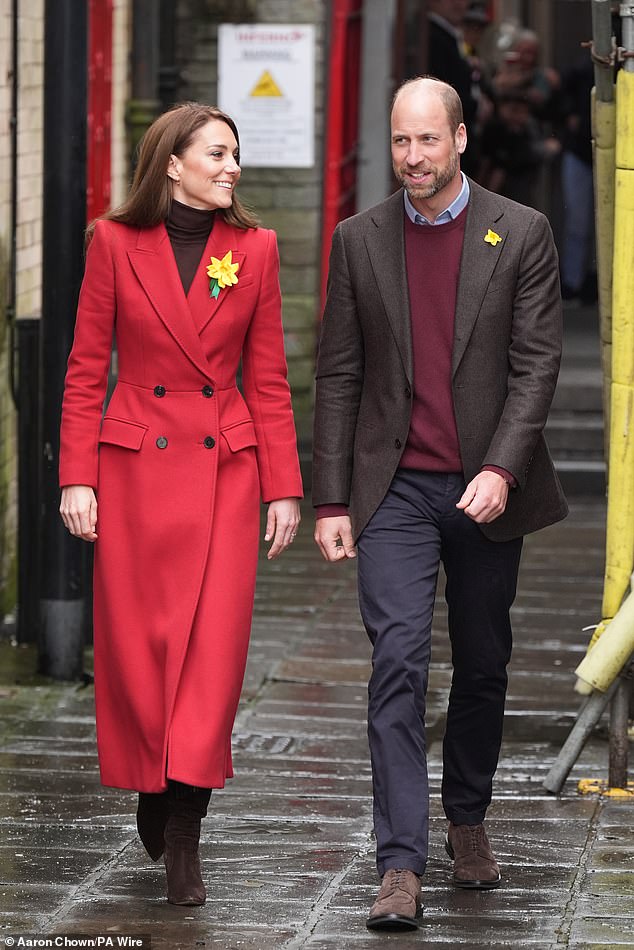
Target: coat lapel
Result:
[479, 260]
[203, 307]
[155, 266]
[385, 243]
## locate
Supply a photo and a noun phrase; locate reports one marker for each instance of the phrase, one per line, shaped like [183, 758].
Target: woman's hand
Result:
[282, 522]
[78, 509]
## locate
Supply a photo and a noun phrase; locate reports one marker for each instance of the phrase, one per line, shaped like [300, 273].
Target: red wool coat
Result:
[179, 462]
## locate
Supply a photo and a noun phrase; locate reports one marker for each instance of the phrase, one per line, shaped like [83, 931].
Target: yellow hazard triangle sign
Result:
[266, 86]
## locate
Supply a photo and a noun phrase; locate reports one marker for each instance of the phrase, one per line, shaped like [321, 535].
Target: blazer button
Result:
[207, 392]
[209, 442]
[397, 443]
[161, 442]
[408, 391]
[159, 391]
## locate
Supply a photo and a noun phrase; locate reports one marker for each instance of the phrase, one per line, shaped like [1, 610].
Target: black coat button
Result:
[397, 443]
[408, 392]
[207, 392]
[209, 442]
[159, 391]
[161, 442]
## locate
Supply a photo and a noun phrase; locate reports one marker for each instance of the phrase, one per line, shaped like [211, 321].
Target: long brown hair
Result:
[150, 196]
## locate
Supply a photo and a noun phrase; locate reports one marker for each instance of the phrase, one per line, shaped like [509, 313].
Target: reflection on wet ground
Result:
[287, 850]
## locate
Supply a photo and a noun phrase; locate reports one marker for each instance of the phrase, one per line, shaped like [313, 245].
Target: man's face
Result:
[425, 153]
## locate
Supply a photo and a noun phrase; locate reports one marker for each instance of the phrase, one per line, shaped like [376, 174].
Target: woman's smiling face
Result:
[205, 175]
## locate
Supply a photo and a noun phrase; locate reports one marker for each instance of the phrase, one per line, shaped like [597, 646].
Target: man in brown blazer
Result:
[437, 365]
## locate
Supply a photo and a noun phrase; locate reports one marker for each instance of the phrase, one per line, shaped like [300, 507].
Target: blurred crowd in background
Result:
[524, 119]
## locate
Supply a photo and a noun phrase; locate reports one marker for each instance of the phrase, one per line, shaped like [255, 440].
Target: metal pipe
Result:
[64, 221]
[28, 614]
[627, 34]
[603, 139]
[333, 134]
[602, 40]
[169, 76]
[144, 105]
[591, 711]
[619, 713]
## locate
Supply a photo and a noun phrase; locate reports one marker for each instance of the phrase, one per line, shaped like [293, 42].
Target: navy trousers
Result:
[415, 528]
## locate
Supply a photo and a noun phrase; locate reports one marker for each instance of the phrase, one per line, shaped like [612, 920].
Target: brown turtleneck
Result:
[188, 230]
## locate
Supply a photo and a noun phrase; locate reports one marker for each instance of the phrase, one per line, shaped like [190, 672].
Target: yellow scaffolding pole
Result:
[604, 160]
[613, 643]
[611, 647]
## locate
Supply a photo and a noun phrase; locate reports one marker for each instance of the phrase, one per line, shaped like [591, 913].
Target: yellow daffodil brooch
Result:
[492, 238]
[221, 273]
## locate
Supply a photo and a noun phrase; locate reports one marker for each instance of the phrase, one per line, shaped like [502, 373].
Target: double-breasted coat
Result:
[505, 360]
[179, 462]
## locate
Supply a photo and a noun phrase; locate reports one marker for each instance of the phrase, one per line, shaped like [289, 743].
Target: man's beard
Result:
[441, 177]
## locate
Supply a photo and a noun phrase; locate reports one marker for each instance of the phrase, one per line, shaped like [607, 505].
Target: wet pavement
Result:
[287, 848]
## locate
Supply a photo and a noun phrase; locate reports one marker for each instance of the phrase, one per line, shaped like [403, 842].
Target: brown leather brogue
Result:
[474, 864]
[397, 905]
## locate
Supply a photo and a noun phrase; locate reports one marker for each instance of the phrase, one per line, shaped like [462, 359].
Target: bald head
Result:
[424, 86]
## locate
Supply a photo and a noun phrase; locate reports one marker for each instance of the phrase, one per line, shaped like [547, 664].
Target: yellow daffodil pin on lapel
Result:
[492, 238]
[222, 273]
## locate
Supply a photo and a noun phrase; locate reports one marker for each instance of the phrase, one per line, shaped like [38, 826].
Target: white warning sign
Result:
[266, 82]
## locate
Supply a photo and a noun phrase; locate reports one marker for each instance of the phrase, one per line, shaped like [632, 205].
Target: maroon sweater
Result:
[432, 257]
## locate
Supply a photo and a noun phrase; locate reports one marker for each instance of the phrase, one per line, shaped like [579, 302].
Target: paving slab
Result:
[287, 851]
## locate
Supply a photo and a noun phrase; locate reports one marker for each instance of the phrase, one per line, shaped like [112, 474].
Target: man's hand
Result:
[333, 537]
[484, 498]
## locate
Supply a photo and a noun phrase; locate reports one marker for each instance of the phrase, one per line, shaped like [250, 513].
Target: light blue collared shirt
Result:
[449, 214]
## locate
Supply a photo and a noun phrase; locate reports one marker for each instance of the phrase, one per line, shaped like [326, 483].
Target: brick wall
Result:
[30, 143]
[7, 414]
[28, 241]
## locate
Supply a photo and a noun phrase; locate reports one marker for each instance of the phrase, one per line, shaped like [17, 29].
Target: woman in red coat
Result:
[167, 482]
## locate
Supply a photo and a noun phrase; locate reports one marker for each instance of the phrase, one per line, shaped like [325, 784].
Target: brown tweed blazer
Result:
[506, 354]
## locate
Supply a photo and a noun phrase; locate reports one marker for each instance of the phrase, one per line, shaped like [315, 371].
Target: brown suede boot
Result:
[187, 807]
[398, 902]
[474, 865]
[151, 818]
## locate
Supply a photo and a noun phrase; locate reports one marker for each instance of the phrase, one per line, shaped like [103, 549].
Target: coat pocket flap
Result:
[240, 436]
[129, 435]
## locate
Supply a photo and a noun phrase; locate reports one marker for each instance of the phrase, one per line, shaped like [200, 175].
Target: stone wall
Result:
[287, 200]
[121, 41]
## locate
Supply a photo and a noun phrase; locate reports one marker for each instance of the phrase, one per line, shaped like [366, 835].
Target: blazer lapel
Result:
[479, 260]
[203, 307]
[385, 243]
[155, 266]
